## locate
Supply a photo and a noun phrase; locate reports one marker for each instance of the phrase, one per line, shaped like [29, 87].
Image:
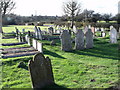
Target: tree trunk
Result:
[1, 21]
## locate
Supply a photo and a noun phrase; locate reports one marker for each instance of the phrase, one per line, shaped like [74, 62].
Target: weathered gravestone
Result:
[39, 34]
[41, 71]
[17, 32]
[103, 34]
[89, 39]
[36, 32]
[39, 47]
[34, 43]
[66, 44]
[113, 35]
[79, 40]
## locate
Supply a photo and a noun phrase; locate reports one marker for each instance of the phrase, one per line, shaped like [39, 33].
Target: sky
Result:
[54, 7]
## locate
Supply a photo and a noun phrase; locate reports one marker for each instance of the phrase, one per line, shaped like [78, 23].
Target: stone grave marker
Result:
[23, 31]
[36, 32]
[39, 47]
[39, 34]
[85, 29]
[103, 34]
[40, 69]
[89, 39]
[29, 34]
[113, 35]
[34, 43]
[50, 30]
[79, 40]
[17, 31]
[66, 44]
[29, 40]
[20, 37]
[74, 29]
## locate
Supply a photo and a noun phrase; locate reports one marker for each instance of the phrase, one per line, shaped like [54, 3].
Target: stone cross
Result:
[113, 35]
[79, 40]
[89, 39]
[40, 69]
[66, 44]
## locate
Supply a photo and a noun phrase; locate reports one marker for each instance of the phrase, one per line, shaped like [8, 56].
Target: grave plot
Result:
[17, 52]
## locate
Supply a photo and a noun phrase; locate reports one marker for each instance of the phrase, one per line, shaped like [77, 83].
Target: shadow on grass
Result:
[99, 52]
[52, 54]
[54, 87]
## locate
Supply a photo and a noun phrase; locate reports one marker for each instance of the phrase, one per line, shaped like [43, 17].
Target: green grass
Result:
[89, 68]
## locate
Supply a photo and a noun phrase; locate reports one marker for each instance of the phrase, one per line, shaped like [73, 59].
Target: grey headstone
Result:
[20, 37]
[89, 39]
[113, 35]
[41, 71]
[39, 34]
[36, 32]
[66, 44]
[85, 29]
[74, 29]
[50, 30]
[79, 40]
[29, 40]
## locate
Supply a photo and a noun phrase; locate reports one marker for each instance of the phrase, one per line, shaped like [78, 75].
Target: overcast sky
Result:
[54, 7]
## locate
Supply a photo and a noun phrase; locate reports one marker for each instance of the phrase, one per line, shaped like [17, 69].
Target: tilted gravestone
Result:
[41, 71]
[39, 47]
[89, 39]
[39, 34]
[66, 44]
[36, 32]
[113, 35]
[79, 40]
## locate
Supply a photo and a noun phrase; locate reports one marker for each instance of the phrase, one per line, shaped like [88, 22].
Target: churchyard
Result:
[83, 59]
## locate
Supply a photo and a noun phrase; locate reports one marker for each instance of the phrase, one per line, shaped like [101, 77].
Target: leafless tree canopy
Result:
[6, 6]
[72, 8]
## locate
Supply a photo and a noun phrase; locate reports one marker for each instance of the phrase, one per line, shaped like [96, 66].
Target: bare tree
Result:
[7, 6]
[72, 8]
[0, 21]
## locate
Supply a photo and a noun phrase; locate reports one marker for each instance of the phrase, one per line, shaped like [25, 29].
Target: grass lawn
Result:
[90, 68]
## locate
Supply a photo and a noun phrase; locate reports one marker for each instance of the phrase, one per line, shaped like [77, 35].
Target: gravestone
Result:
[39, 47]
[50, 30]
[39, 34]
[103, 34]
[113, 35]
[40, 69]
[23, 31]
[29, 33]
[79, 40]
[29, 40]
[17, 32]
[74, 29]
[93, 31]
[34, 43]
[36, 32]
[89, 39]
[52, 43]
[85, 29]
[66, 44]
[20, 38]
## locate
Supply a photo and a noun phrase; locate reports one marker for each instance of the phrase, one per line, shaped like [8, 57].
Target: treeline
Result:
[87, 16]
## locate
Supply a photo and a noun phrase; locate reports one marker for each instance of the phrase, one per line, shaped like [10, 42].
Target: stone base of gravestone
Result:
[41, 71]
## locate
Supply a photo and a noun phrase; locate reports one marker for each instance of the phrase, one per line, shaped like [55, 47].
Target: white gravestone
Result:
[34, 43]
[39, 47]
[113, 35]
